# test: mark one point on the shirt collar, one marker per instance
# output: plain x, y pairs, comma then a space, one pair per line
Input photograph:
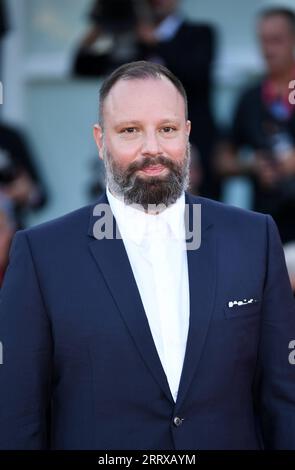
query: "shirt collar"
135, 224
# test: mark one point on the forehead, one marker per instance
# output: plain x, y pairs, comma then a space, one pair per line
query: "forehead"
275, 23
139, 99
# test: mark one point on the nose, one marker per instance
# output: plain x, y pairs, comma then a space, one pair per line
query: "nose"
150, 144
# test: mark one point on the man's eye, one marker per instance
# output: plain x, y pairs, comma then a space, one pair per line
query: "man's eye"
129, 130
168, 129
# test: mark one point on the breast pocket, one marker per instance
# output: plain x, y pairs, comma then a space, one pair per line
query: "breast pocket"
241, 311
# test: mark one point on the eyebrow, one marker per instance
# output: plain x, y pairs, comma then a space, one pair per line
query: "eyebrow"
138, 123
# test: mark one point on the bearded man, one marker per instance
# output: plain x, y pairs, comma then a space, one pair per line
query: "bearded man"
118, 331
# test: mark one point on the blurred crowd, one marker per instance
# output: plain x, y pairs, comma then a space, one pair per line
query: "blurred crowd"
259, 143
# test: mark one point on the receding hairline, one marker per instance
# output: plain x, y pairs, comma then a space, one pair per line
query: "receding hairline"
140, 70
160, 77
286, 14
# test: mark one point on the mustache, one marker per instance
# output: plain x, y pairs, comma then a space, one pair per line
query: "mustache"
145, 162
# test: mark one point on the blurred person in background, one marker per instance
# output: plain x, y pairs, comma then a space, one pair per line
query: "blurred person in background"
264, 124
20, 182
156, 30
19, 178
110, 39
7, 230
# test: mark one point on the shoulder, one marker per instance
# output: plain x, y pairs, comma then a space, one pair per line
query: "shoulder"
238, 230
227, 218
73, 224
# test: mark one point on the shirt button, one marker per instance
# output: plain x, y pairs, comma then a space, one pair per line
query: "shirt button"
177, 421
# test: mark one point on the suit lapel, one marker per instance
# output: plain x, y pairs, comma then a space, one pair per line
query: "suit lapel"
112, 260
202, 279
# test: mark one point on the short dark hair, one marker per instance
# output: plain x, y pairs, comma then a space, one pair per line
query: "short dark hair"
138, 70
287, 13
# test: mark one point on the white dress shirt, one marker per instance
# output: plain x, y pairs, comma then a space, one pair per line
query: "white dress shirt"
155, 245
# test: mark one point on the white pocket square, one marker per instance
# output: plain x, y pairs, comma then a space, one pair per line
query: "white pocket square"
238, 303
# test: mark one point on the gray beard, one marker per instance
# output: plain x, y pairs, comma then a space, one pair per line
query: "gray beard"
147, 191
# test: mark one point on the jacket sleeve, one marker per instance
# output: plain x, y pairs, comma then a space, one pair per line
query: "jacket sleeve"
25, 362
274, 388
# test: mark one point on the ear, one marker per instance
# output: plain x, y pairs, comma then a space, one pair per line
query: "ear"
188, 126
98, 137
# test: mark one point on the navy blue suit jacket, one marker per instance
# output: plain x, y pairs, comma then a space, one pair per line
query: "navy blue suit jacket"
80, 369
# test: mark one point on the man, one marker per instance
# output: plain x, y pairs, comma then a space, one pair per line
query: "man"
131, 338
20, 180
264, 124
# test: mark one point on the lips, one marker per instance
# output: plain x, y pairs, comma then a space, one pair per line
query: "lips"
153, 169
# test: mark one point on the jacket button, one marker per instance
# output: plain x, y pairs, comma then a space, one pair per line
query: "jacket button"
177, 421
